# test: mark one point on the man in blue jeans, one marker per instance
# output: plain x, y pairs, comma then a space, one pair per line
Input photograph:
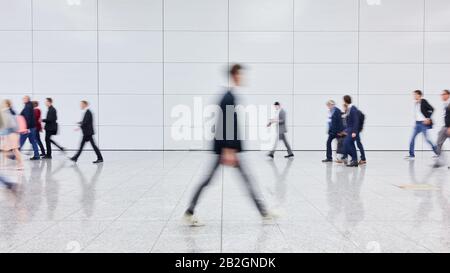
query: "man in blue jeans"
422, 113
28, 114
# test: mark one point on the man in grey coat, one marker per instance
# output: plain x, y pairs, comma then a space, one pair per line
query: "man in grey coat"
282, 130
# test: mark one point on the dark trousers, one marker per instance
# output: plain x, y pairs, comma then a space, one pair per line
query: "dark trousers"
349, 145
48, 143
329, 149
31, 136
83, 142
216, 164
360, 147
39, 142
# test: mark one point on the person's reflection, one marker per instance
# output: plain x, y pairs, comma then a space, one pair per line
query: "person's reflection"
280, 178
88, 189
444, 204
354, 207
334, 194
425, 196
344, 195
52, 187
31, 196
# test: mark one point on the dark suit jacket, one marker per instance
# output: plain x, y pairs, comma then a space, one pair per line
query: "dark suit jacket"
222, 140
51, 126
28, 114
426, 109
353, 121
336, 124
87, 124
447, 117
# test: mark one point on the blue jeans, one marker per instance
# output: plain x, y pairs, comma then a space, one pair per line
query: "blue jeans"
420, 128
31, 136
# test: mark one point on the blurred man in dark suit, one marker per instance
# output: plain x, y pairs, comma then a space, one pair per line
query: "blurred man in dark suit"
87, 127
51, 128
227, 145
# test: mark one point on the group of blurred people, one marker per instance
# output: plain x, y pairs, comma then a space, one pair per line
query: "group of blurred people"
17, 128
423, 112
345, 126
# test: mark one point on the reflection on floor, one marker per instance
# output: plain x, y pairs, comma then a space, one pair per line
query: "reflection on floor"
134, 203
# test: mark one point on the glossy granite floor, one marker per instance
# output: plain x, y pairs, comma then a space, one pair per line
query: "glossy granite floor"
135, 200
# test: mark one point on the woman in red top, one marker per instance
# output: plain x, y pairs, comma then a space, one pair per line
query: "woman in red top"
37, 117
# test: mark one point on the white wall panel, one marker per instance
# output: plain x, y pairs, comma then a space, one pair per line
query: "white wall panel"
65, 78
201, 15
134, 78
261, 15
437, 78
65, 46
131, 110
392, 15
326, 47
148, 138
391, 47
436, 16
15, 15
15, 46
386, 79
130, 14
60, 15
436, 47
130, 46
326, 78
393, 110
195, 78
261, 47
15, 78
326, 15
195, 47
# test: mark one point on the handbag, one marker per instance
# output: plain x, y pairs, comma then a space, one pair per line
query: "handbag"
21, 124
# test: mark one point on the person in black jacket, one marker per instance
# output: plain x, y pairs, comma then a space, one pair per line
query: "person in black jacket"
335, 128
28, 114
51, 128
87, 128
423, 112
227, 145
444, 133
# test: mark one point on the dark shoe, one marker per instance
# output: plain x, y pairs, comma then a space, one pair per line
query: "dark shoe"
42, 155
270, 155
35, 158
362, 162
288, 156
437, 165
352, 164
74, 159
47, 157
327, 160
98, 161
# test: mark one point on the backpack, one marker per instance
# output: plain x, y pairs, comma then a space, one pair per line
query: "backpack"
21, 124
362, 119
